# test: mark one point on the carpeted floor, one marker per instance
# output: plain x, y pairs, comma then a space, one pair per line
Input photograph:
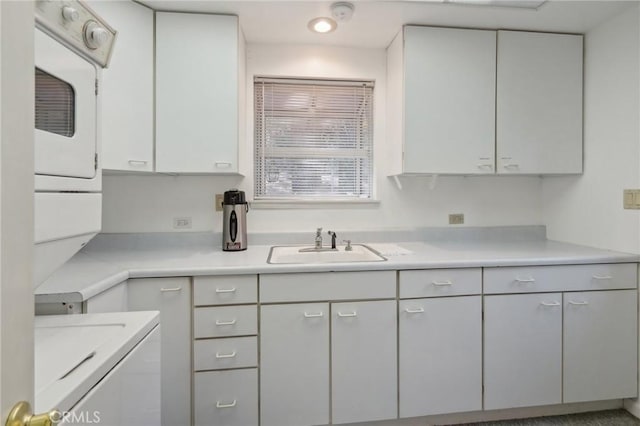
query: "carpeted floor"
598, 418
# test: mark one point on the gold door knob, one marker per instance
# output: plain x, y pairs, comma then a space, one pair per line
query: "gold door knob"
22, 415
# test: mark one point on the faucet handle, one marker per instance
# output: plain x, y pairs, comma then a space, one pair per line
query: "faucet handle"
348, 247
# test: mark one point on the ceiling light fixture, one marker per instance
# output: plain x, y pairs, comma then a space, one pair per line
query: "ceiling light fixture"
322, 25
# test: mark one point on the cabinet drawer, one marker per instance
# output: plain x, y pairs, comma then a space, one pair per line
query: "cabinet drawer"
225, 321
227, 398
225, 290
217, 354
327, 286
560, 278
440, 282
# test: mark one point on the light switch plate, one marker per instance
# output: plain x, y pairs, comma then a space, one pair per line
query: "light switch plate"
456, 219
631, 199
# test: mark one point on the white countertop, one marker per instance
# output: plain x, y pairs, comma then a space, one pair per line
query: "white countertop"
97, 269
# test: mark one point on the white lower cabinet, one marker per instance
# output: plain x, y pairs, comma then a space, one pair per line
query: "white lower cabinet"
364, 361
600, 345
552, 348
522, 350
226, 398
440, 355
294, 364
172, 297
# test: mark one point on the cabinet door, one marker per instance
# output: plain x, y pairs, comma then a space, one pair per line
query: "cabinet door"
127, 88
440, 350
294, 364
539, 103
172, 297
522, 350
449, 99
364, 361
196, 93
112, 300
600, 345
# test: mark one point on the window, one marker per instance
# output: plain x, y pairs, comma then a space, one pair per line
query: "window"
313, 139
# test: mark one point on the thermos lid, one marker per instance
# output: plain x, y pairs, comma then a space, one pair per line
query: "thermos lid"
233, 196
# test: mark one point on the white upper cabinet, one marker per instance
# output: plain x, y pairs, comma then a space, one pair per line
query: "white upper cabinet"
459, 98
199, 71
449, 100
539, 103
127, 88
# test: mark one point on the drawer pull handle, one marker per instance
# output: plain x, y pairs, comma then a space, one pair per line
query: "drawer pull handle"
550, 303
226, 290
316, 315
571, 302
219, 323
442, 283
601, 277
168, 290
414, 310
525, 280
347, 314
227, 405
222, 164
222, 356
138, 162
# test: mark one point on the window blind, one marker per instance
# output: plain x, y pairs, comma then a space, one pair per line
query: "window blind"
313, 139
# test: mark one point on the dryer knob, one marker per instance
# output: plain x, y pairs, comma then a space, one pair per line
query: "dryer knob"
94, 35
70, 14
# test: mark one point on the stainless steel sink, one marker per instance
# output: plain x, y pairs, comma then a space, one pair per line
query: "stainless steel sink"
304, 254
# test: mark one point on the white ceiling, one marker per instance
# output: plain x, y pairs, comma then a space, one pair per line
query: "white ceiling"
375, 23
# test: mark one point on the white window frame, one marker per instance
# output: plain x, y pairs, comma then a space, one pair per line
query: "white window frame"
365, 152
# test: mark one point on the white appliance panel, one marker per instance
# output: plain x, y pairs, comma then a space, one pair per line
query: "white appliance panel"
65, 109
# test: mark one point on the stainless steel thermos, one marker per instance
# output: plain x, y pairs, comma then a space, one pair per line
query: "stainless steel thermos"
234, 225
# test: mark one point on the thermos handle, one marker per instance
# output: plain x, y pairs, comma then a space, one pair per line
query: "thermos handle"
233, 226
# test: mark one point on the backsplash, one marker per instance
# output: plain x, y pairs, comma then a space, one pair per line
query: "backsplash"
135, 204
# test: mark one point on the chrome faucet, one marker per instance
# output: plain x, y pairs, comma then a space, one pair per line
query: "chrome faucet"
333, 239
318, 245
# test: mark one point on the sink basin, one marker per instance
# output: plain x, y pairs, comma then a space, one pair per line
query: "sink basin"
292, 254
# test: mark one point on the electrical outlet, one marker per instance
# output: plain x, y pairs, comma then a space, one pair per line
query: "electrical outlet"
631, 199
219, 201
181, 223
456, 219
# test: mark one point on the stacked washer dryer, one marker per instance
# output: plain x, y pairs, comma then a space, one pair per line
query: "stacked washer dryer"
72, 44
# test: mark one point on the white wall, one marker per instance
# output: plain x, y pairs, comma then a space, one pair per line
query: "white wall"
149, 203
588, 209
